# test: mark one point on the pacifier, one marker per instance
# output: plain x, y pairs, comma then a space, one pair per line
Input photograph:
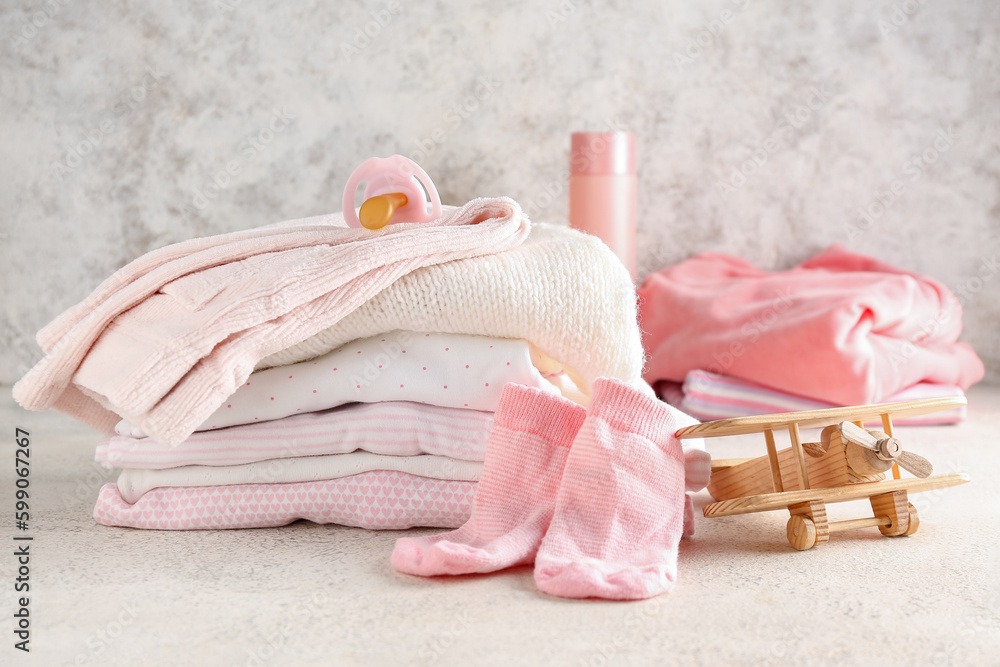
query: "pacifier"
396, 190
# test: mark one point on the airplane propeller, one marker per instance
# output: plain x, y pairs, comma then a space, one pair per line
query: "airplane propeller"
886, 449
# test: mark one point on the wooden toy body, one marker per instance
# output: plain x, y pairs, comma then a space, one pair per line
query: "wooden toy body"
828, 467
806, 476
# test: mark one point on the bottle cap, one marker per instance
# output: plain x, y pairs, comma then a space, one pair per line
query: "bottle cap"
602, 153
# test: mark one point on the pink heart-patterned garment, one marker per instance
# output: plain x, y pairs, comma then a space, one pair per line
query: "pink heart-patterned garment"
377, 500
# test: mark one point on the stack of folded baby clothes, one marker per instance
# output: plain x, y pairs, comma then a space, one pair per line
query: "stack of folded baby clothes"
726, 339
384, 432
310, 370
388, 431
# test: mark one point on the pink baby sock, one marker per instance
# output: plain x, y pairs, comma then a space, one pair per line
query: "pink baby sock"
620, 508
531, 436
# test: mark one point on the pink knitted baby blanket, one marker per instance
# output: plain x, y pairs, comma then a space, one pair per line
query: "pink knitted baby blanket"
166, 338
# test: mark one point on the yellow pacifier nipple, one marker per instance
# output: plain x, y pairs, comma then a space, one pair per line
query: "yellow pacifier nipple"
376, 212
397, 191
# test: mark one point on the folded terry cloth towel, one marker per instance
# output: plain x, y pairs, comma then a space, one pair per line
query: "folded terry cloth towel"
449, 370
169, 337
391, 428
133, 484
378, 500
841, 327
712, 396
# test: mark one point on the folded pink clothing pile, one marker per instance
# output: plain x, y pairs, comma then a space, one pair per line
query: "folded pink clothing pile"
168, 337
387, 432
379, 465
839, 329
310, 370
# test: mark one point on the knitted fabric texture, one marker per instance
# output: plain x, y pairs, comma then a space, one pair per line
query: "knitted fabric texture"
530, 440
619, 512
168, 338
562, 290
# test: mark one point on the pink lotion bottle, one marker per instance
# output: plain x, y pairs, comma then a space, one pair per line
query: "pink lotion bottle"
602, 190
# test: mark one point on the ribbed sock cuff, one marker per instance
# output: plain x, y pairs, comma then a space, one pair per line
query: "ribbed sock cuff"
629, 410
547, 415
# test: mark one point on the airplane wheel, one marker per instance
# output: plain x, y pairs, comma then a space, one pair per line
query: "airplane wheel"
801, 532
914, 520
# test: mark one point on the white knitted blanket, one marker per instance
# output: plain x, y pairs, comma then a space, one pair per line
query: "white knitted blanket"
562, 290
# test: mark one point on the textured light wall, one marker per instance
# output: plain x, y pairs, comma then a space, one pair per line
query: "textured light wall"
763, 127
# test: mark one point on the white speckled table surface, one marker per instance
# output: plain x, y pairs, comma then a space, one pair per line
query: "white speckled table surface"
309, 594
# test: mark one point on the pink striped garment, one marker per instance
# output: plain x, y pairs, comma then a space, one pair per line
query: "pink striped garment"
396, 428
710, 396
620, 511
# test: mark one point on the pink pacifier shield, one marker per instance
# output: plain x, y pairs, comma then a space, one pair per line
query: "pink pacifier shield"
394, 174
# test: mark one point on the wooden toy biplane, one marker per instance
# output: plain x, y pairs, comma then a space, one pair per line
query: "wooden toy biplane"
849, 463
